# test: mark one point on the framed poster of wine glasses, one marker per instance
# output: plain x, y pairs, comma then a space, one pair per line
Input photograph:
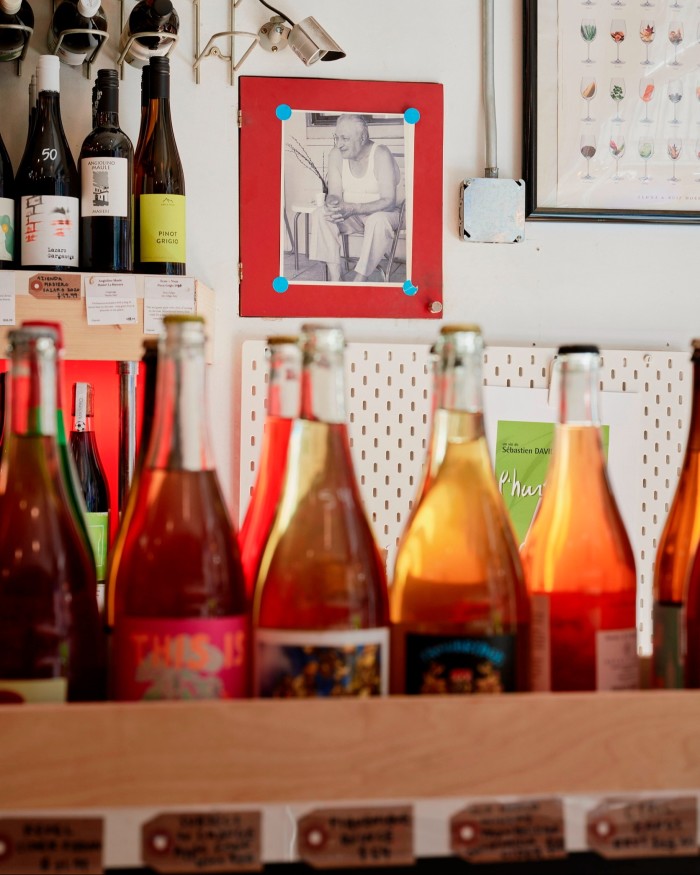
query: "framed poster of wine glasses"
612, 110
340, 198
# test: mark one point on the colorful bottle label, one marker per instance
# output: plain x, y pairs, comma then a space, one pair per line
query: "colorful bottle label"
50, 231
669, 646
458, 664
180, 659
98, 530
162, 227
311, 664
7, 229
104, 187
42, 690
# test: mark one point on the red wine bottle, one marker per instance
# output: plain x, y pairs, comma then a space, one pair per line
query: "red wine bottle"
106, 170
47, 187
82, 15
7, 210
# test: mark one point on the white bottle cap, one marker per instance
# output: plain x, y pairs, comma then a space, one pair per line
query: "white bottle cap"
48, 73
10, 7
88, 8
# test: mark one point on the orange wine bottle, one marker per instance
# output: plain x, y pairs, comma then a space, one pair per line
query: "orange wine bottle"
459, 607
283, 395
321, 609
180, 624
674, 556
50, 636
578, 561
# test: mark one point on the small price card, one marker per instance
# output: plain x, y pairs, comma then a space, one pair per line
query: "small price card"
644, 828
164, 295
51, 845
179, 842
54, 286
334, 838
498, 832
7, 298
110, 299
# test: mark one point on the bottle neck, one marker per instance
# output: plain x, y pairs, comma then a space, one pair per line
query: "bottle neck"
579, 397
694, 430
48, 110
460, 387
285, 378
82, 408
32, 396
323, 386
180, 439
107, 114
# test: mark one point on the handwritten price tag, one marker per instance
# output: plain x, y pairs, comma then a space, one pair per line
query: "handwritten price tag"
202, 842
509, 832
110, 300
646, 828
334, 838
51, 845
54, 286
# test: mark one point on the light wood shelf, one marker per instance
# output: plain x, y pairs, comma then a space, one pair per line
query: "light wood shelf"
85, 342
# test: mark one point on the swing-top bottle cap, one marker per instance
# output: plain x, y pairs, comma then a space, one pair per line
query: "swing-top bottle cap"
48, 73
579, 349
88, 8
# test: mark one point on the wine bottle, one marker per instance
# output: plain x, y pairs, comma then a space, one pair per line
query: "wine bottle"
154, 25
459, 607
32, 109
7, 210
321, 610
16, 25
577, 558
145, 106
283, 396
91, 473
159, 186
50, 637
149, 369
180, 628
47, 187
674, 560
106, 171
80, 15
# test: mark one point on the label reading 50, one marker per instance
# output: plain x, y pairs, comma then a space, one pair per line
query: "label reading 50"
49, 154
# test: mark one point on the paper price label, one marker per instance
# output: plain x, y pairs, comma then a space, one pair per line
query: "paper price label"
7, 298
644, 828
54, 286
164, 295
110, 300
51, 845
497, 832
202, 842
335, 838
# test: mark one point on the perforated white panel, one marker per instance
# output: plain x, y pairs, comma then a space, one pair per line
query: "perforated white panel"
389, 407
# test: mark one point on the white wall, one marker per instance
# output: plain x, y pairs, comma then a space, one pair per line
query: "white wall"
616, 284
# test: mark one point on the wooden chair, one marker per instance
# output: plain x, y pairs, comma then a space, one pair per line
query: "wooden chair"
387, 265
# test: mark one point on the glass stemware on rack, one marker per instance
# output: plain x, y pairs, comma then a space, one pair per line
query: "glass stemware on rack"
588, 150
588, 90
674, 148
617, 150
675, 37
646, 150
589, 31
675, 95
617, 93
646, 94
617, 32
647, 32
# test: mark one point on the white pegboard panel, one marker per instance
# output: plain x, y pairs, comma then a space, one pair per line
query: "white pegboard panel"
389, 413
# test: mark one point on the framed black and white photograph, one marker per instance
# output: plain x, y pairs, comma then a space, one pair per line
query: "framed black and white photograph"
612, 110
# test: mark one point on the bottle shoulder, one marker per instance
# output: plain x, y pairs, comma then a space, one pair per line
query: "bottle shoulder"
107, 142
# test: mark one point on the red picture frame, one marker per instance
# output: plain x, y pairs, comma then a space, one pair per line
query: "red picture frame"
270, 286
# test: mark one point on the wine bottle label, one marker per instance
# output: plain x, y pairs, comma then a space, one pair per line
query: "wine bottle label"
290, 664
162, 227
73, 59
7, 228
669, 646
180, 659
50, 230
98, 530
43, 690
617, 663
457, 664
104, 187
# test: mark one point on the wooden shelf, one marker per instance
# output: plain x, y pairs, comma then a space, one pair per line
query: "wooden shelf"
94, 342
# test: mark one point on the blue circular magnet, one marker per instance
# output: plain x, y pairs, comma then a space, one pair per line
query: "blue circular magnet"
283, 112
409, 288
280, 284
411, 116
